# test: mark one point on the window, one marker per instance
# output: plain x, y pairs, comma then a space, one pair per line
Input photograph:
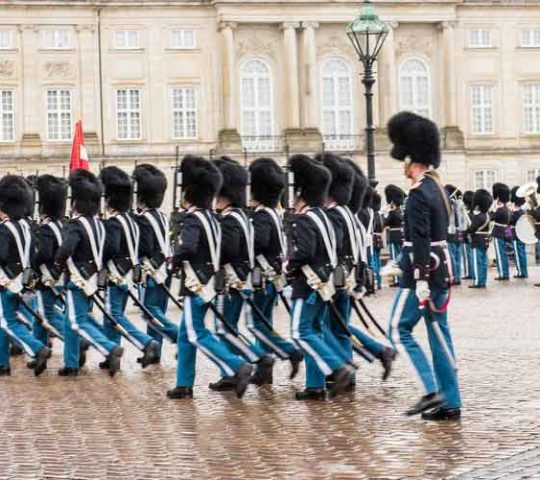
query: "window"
484, 179
533, 174
531, 108
480, 38
126, 39
184, 108
183, 39
530, 37
482, 109
57, 39
256, 105
414, 87
6, 39
128, 114
59, 114
337, 111
7, 116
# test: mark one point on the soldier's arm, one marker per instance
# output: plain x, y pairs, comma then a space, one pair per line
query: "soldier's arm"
420, 233
188, 242
112, 239
230, 239
146, 239
262, 226
303, 244
71, 237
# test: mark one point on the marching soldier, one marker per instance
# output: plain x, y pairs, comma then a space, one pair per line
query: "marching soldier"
520, 252
426, 268
455, 231
238, 261
16, 257
311, 262
81, 253
480, 235
154, 251
468, 265
393, 223
122, 261
378, 242
267, 185
501, 218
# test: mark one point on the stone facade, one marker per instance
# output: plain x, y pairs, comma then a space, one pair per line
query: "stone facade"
294, 40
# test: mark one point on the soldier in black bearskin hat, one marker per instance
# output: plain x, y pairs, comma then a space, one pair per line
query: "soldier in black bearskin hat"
468, 265
501, 217
456, 227
393, 223
238, 261
312, 260
51, 193
154, 250
378, 242
81, 252
16, 257
197, 257
122, 261
425, 279
479, 233
520, 252
267, 185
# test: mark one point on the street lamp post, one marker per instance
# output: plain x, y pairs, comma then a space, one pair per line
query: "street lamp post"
367, 33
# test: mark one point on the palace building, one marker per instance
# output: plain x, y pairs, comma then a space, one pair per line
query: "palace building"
267, 78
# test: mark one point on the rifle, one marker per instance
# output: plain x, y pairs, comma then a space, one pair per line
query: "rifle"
371, 317
41, 320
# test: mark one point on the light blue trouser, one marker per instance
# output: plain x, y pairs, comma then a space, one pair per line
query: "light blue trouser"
11, 329
80, 323
501, 257
454, 248
394, 250
155, 300
480, 262
376, 266
46, 306
30, 298
468, 265
231, 309
116, 298
520, 254
406, 313
267, 340
307, 328
194, 335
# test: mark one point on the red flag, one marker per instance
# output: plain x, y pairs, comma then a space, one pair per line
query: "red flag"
79, 155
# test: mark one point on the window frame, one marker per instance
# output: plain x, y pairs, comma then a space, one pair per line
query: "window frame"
128, 111
184, 88
485, 171
482, 106
183, 31
535, 33
11, 39
58, 113
55, 31
126, 32
480, 43
13, 119
414, 108
536, 122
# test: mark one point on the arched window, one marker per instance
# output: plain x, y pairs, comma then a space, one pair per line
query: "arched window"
414, 87
337, 104
256, 99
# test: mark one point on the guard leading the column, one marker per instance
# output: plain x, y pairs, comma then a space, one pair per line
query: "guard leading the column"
480, 236
501, 233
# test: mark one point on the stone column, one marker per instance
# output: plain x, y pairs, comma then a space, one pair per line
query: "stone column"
453, 136
229, 138
311, 103
291, 74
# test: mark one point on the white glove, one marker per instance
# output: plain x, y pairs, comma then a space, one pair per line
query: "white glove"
422, 291
391, 269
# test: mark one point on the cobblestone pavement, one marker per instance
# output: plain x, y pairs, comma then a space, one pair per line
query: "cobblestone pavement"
94, 427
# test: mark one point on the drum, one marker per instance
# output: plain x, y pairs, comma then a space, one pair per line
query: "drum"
525, 230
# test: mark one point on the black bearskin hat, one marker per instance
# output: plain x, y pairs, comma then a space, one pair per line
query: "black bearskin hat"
86, 191
118, 188
15, 196
517, 201
452, 191
394, 195
482, 200
538, 184
311, 179
360, 186
201, 181
341, 187
267, 181
468, 197
376, 201
235, 180
415, 137
501, 192
52, 196
151, 185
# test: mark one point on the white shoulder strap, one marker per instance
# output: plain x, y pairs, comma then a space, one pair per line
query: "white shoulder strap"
131, 236
161, 238
97, 250
56, 230
352, 228
24, 249
279, 226
330, 247
213, 242
248, 234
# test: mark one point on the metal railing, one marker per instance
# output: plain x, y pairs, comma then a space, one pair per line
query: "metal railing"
265, 143
342, 143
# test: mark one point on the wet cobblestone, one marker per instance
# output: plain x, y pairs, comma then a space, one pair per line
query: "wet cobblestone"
94, 427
